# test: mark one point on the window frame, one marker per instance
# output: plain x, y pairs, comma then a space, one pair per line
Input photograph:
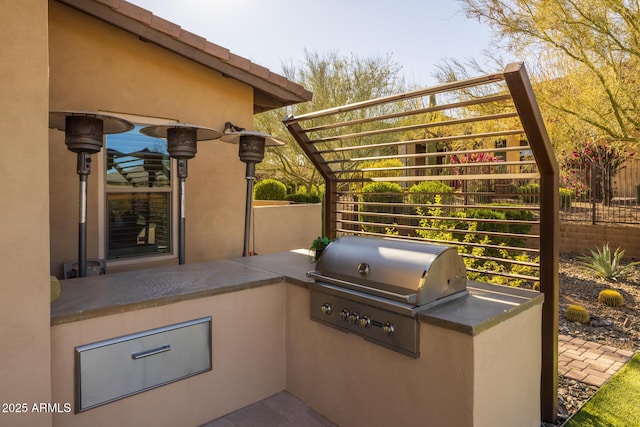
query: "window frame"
104, 190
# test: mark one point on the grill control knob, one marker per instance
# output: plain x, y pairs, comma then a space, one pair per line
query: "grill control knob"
388, 329
344, 314
354, 317
326, 309
365, 322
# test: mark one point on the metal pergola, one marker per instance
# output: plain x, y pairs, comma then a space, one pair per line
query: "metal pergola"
481, 141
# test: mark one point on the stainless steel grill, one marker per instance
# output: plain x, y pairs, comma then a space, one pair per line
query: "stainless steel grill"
376, 287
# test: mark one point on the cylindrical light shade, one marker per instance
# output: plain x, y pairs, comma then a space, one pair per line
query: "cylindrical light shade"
251, 151
84, 130
83, 135
237, 136
181, 137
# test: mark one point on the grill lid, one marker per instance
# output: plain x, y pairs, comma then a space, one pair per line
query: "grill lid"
408, 271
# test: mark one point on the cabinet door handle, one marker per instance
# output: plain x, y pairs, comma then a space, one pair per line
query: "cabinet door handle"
145, 353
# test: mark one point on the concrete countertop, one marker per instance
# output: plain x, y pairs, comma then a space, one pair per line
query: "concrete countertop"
97, 296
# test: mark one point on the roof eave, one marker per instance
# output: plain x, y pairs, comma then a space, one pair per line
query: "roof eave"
271, 90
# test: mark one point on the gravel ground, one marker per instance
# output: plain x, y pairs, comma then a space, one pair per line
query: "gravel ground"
618, 327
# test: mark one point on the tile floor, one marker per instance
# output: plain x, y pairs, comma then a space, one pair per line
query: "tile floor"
279, 410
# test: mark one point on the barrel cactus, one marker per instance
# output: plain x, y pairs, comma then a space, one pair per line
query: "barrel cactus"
575, 313
610, 297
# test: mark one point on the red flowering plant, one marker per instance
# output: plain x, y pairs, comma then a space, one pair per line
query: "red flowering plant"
480, 159
592, 168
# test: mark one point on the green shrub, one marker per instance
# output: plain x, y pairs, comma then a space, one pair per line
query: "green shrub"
387, 163
529, 193
303, 198
567, 196
370, 193
425, 193
575, 313
605, 264
610, 297
269, 189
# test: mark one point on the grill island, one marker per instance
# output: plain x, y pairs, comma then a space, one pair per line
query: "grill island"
376, 287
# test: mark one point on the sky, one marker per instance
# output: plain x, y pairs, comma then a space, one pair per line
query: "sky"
418, 34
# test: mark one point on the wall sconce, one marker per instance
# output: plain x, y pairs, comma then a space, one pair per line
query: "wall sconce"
84, 132
251, 151
182, 145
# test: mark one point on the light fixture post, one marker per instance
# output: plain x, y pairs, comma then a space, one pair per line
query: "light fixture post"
251, 151
84, 132
182, 145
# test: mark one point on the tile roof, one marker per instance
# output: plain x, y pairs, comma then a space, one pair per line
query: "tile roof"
271, 90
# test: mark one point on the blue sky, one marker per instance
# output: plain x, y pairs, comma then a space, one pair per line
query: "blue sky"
417, 33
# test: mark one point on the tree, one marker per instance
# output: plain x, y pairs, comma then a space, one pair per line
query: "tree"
334, 80
587, 53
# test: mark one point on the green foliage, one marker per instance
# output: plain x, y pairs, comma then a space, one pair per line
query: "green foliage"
585, 53
605, 264
386, 163
425, 193
575, 313
616, 403
567, 196
610, 297
434, 227
303, 198
334, 80
379, 192
269, 189
318, 245
529, 193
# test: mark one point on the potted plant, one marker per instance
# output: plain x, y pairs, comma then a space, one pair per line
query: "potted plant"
317, 246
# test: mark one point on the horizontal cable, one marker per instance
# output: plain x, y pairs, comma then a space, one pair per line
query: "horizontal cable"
457, 85
448, 230
509, 275
440, 218
426, 141
434, 205
442, 107
439, 166
444, 123
470, 177
433, 154
438, 241
502, 260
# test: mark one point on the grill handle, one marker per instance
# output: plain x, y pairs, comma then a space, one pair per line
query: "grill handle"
407, 298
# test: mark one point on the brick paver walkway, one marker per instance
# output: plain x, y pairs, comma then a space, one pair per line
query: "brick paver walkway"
589, 362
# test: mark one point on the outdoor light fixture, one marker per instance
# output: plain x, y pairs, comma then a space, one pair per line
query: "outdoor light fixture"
84, 132
251, 151
182, 145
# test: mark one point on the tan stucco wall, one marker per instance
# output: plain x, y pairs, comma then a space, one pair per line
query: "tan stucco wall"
24, 220
97, 67
459, 380
508, 370
285, 227
248, 359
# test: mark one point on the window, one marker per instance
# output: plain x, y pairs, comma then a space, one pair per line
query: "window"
138, 195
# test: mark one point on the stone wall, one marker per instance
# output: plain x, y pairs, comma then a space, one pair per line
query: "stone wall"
579, 238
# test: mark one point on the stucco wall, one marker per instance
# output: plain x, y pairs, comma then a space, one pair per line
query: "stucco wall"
455, 381
579, 238
248, 359
97, 67
285, 227
24, 216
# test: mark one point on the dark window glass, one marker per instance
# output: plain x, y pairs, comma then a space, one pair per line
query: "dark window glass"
138, 175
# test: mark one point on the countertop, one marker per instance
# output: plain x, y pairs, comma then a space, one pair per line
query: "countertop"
96, 296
